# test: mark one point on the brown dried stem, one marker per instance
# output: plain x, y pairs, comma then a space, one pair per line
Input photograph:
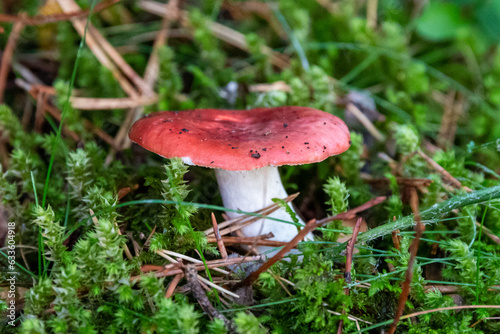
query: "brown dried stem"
420, 228
218, 239
453, 181
348, 265
7, 55
199, 294
173, 284
254, 241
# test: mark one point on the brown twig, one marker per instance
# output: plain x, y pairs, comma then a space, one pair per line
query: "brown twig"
453, 181
348, 265
396, 239
254, 241
244, 220
353, 109
7, 55
463, 307
173, 284
420, 228
92, 103
489, 233
350, 214
401, 181
174, 269
310, 226
371, 13
453, 289
198, 293
218, 239
44, 19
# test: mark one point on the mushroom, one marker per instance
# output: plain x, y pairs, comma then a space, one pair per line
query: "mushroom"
246, 147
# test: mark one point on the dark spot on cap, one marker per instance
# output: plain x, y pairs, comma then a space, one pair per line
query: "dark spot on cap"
256, 155
286, 136
180, 132
307, 143
282, 146
324, 147
212, 162
185, 130
251, 151
308, 147
285, 125
324, 123
234, 148
264, 149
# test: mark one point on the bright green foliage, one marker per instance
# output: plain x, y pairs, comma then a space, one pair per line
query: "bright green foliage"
315, 283
172, 317
102, 202
72, 116
169, 79
38, 297
100, 255
351, 161
70, 314
33, 326
95, 78
79, 176
174, 188
262, 65
406, 138
284, 205
177, 231
10, 125
317, 81
338, 194
217, 327
248, 324
52, 232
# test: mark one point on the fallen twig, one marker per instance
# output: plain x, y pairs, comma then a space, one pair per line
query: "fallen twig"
254, 241
173, 284
242, 221
348, 264
218, 239
198, 293
351, 107
420, 228
7, 55
453, 181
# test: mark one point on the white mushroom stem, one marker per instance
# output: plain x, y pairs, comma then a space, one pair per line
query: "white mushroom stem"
251, 191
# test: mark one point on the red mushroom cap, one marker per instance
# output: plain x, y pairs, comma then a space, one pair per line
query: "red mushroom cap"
243, 139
